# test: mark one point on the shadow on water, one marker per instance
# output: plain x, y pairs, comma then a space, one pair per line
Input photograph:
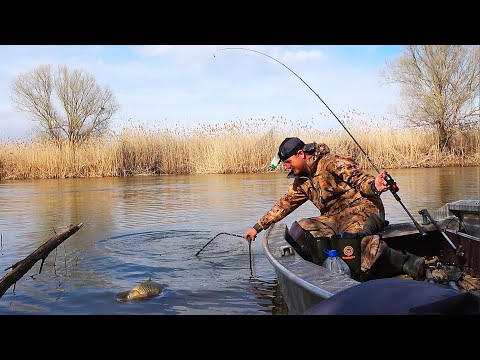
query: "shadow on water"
269, 296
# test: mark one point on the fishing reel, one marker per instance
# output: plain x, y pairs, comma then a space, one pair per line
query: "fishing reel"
391, 184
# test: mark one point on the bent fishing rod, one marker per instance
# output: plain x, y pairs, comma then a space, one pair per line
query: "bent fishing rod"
391, 184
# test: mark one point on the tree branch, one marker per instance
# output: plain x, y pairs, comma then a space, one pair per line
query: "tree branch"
21, 268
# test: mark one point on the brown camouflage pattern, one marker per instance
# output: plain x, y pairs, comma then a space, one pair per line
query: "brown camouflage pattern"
343, 194
371, 249
338, 188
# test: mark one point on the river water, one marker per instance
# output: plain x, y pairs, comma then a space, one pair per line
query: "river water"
152, 227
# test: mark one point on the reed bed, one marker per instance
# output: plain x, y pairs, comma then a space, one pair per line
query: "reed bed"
238, 146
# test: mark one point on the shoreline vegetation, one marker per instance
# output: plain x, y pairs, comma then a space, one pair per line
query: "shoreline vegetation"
241, 146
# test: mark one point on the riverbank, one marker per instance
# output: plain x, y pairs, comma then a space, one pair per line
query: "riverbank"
234, 147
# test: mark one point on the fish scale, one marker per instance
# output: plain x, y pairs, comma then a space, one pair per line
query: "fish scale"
143, 290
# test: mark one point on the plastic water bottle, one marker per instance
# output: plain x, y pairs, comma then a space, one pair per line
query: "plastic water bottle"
335, 263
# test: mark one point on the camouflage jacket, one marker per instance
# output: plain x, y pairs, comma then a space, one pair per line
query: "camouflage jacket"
337, 183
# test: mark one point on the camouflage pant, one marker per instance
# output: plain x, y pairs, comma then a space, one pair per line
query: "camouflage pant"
363, 219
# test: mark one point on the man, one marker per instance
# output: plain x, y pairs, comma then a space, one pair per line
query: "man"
351, 212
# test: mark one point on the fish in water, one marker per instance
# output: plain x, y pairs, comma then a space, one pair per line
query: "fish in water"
143, 290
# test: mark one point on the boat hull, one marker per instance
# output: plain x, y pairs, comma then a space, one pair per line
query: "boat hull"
304, 284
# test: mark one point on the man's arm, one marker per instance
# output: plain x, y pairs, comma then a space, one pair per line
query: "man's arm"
291, 200
347, 169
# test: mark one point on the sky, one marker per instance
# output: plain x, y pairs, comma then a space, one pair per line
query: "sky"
201, 84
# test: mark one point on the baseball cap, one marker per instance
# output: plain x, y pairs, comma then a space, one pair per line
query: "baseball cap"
289, 147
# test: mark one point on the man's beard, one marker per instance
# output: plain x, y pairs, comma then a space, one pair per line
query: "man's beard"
303, 171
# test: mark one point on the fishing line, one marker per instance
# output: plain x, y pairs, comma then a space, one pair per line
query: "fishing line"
227, 233
392, 186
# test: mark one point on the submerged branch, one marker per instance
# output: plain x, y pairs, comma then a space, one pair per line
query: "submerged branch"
21, 268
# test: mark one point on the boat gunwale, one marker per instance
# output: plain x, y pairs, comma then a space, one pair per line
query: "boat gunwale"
288, 273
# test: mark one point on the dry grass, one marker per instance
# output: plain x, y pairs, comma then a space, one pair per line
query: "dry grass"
241, 146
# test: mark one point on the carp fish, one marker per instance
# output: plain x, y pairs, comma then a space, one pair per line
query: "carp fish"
143, 290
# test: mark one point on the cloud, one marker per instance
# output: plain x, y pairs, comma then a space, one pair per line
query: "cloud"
13, 124
203, 83
302, 55
154, 50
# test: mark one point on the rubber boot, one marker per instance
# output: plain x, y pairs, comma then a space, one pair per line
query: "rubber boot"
316, 245
392, 263
389, 264
296, 238
349, 249
415, 266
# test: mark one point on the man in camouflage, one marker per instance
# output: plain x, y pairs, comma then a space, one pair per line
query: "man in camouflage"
349, 202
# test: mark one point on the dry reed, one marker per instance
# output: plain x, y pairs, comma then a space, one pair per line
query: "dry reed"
239, 146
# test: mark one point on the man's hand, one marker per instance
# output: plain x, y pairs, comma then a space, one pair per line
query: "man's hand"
380, 182
252, 233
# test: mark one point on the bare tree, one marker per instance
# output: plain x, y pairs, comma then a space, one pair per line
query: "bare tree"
440, 87
65, 104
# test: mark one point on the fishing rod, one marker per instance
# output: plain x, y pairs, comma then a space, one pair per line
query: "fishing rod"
226, 233
391, 184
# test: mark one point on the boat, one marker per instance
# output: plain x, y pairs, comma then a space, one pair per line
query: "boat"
450, 238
